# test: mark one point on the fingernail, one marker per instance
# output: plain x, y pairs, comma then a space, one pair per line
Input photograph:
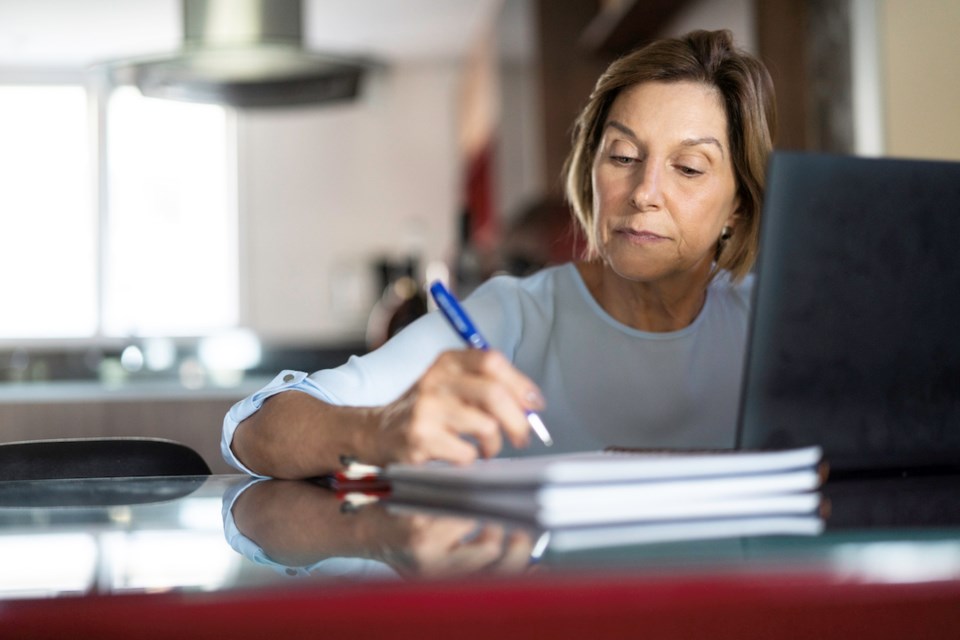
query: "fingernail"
534, 398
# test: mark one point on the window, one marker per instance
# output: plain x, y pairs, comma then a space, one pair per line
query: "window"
171, 266
159, 259
48, 266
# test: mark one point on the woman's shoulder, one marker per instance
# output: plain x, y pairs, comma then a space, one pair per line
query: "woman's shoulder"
514, 304
540, 287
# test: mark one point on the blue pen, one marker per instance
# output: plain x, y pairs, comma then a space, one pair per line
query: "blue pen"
462, 324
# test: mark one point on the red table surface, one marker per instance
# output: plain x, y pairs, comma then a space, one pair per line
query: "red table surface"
777, 606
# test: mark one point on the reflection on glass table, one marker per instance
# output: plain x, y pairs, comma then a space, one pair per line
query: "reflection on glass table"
912, 525
300, 528
80, 537
228, 533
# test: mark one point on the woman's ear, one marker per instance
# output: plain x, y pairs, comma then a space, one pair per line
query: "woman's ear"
735, 216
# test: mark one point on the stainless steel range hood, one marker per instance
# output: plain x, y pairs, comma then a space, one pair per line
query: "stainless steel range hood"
245, 53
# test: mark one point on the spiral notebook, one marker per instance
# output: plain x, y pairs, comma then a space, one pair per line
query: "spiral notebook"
603, 487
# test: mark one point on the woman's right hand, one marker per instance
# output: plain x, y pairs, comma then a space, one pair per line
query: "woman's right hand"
441, 545
460, 408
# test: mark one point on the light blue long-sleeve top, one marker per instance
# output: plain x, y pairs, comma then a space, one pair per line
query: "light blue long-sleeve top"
605, 384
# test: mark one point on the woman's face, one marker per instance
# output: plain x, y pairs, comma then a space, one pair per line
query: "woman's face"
663, 181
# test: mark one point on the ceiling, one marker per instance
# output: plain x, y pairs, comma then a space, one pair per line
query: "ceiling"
75, 33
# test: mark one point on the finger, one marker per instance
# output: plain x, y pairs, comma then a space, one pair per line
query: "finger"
494, 365
498, 411
447, 445
478, 552
443, 532
417, 428
458, 381
467, 420
516, 552
527, 394
465, 394
452, 548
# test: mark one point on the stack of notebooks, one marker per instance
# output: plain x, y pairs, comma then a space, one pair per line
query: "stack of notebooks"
617, 497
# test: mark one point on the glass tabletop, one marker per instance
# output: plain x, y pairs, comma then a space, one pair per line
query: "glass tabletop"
224, 533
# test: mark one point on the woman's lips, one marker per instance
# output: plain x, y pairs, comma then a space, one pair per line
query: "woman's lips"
641, 235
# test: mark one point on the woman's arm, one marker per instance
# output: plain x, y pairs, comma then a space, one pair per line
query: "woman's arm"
459, 409
295, 435
299, 524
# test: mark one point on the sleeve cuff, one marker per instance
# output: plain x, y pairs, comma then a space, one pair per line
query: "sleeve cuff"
285, 381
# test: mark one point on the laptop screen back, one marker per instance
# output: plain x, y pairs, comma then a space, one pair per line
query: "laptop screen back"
855, 335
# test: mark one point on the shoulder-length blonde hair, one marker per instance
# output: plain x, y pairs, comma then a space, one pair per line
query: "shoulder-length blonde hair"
746, 91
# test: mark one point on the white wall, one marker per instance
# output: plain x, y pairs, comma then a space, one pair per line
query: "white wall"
324, 191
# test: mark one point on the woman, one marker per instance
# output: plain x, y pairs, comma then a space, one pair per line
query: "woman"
640, 344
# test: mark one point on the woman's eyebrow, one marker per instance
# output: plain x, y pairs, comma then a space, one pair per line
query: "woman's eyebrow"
619, 126
693, 142
687, 142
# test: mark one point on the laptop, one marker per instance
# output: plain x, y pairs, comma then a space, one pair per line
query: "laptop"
855, 331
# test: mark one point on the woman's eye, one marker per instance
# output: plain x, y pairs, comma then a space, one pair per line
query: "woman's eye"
624, 160
689, 171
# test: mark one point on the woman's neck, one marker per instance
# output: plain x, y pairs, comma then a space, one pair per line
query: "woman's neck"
658, 307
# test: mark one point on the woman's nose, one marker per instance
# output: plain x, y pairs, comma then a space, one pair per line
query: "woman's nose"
646, 192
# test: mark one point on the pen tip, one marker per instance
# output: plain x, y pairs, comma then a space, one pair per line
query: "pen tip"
539, 428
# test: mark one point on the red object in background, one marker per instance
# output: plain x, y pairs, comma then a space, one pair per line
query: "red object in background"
480, 199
